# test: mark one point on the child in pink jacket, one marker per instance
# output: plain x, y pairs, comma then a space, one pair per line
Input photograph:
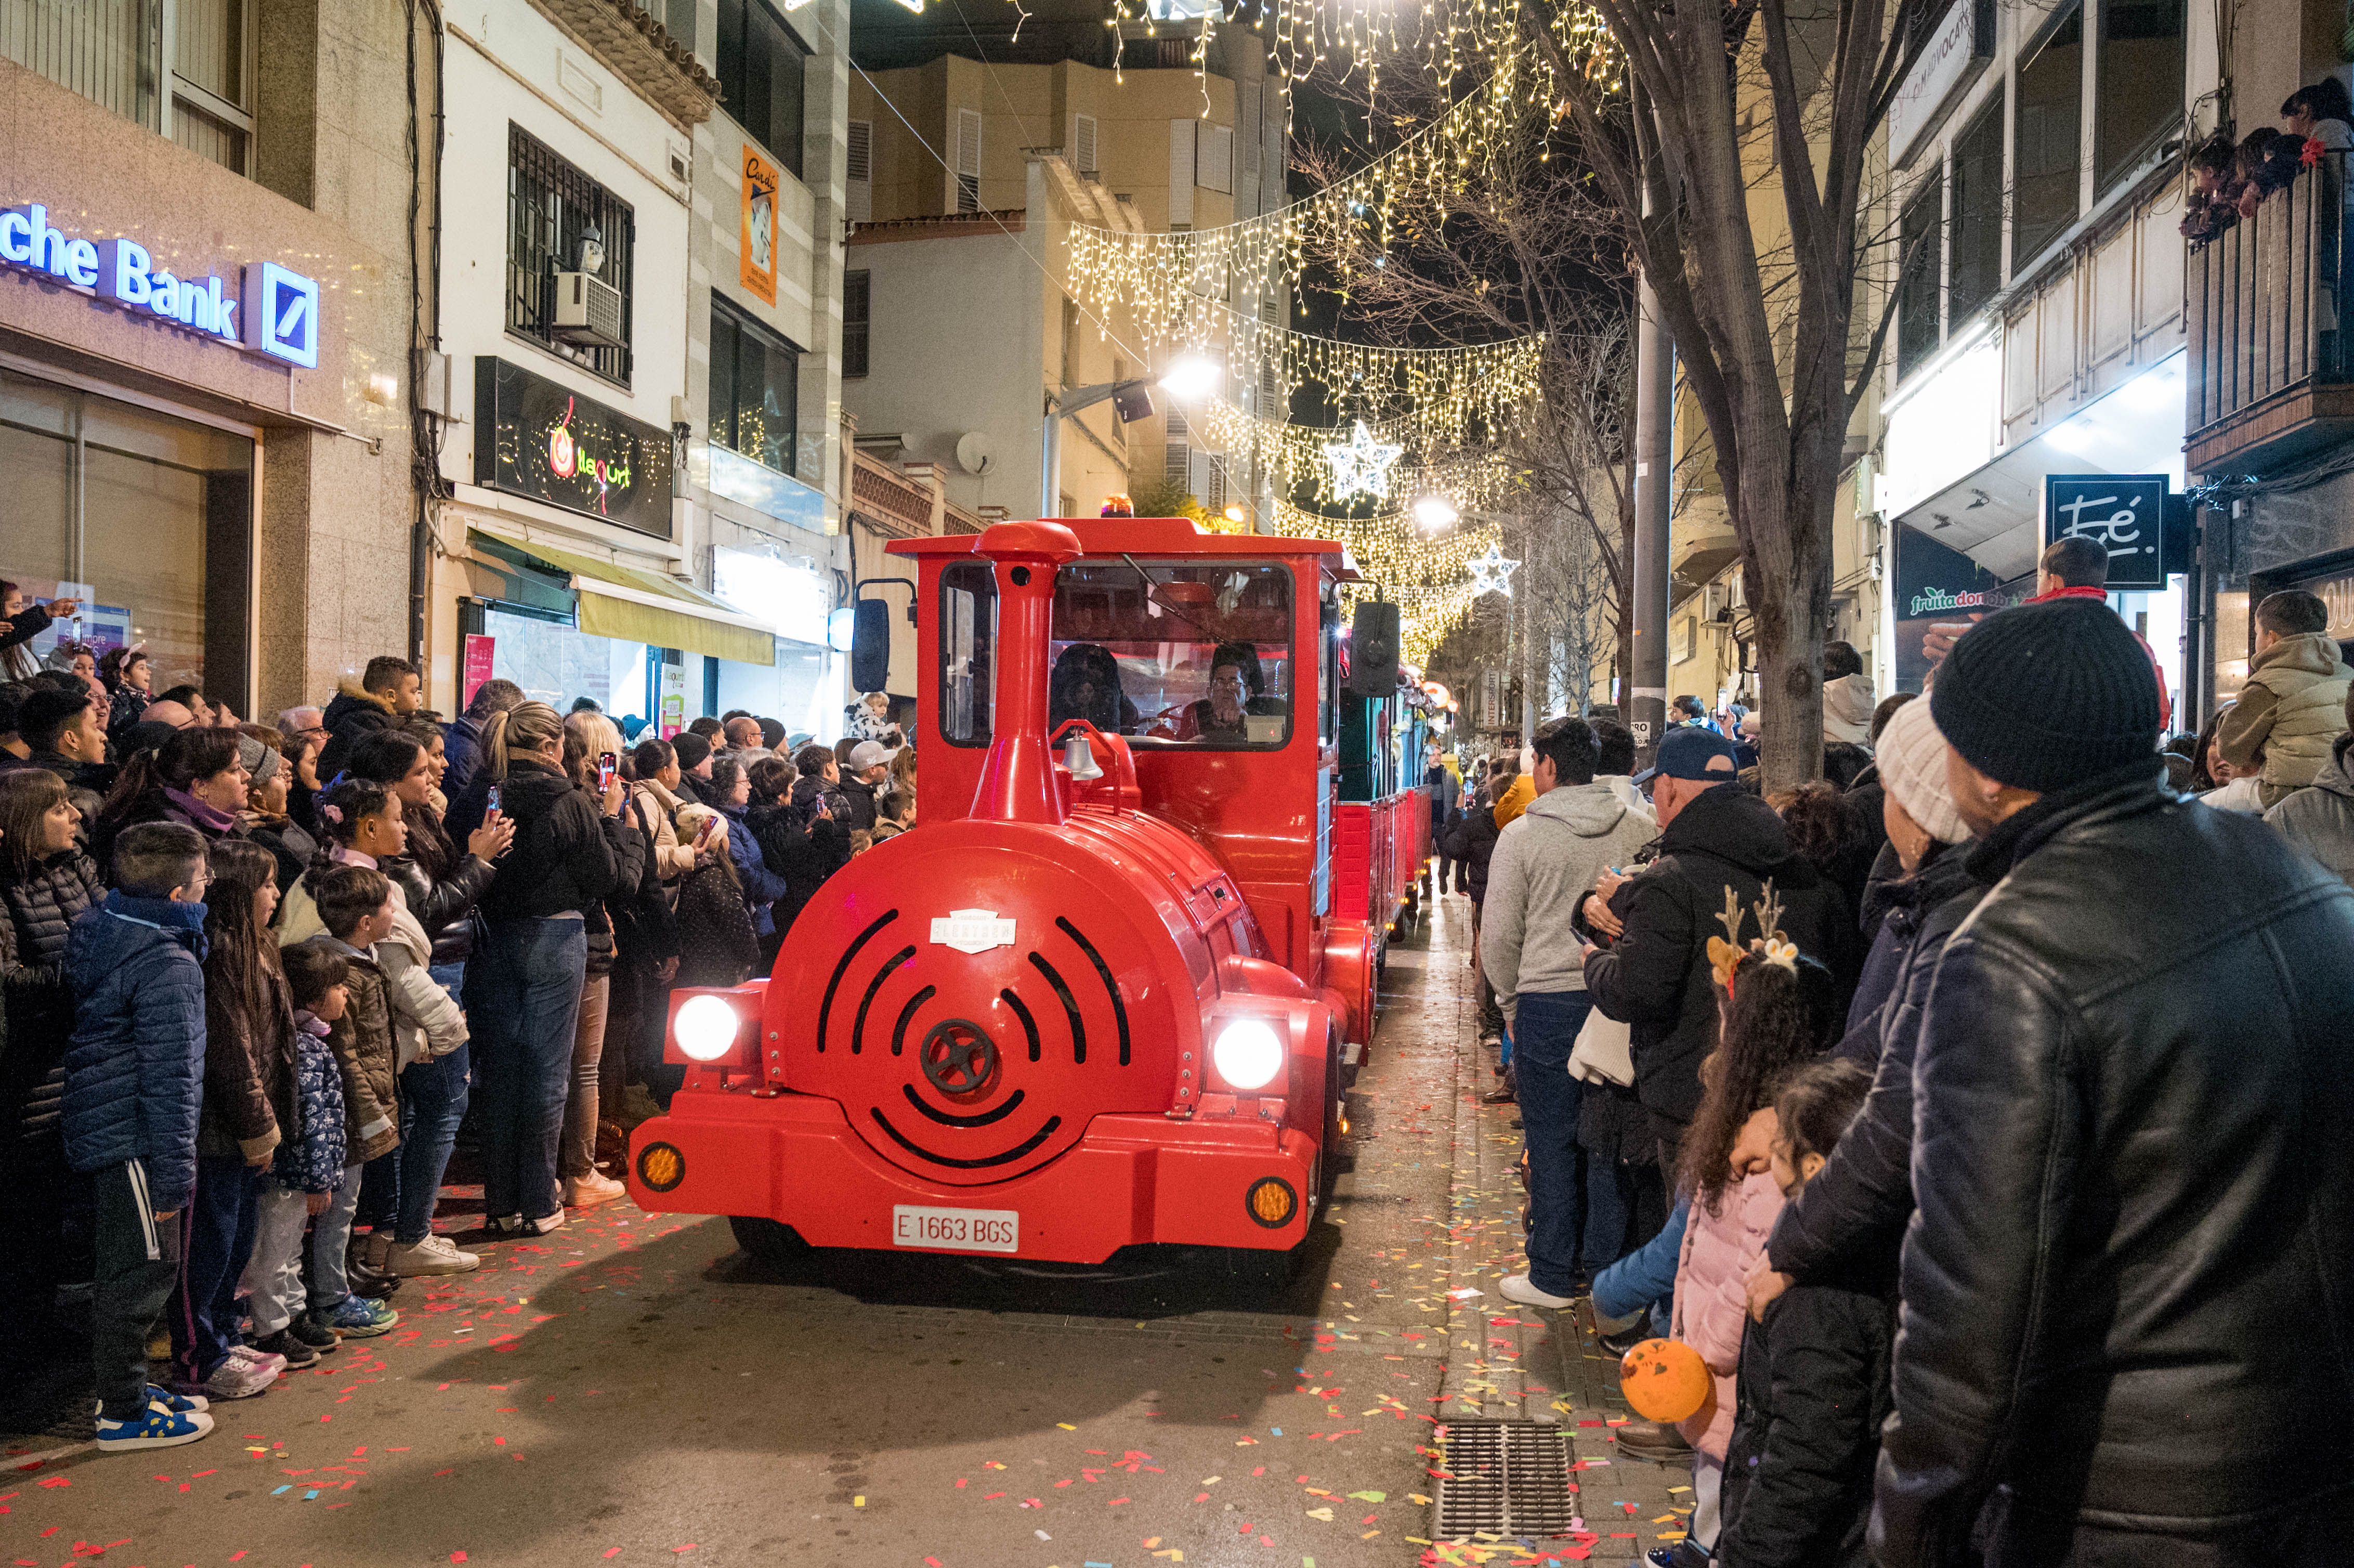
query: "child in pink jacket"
1776, 1010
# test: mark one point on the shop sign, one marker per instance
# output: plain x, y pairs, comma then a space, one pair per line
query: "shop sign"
2125, 513
275, 312
1939, 593
757, 256
482, 655
541, 440
1958, 43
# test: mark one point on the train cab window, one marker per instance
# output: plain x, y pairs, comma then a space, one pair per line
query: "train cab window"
967, 637
1187, 655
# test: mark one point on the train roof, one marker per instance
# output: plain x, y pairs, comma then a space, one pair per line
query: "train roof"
1151, 536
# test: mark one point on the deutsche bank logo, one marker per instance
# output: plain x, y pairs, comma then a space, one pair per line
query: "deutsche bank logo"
281, 311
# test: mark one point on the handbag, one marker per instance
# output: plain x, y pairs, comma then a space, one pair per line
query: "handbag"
1603, 1053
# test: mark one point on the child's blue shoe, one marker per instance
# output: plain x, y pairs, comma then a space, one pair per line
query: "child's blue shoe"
357, 1318
158, 1427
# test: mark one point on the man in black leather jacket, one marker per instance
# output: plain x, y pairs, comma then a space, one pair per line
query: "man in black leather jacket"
2127, 1332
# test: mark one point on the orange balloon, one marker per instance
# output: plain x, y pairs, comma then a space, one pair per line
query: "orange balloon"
1665, 1379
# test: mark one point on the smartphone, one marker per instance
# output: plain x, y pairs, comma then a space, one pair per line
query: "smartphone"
494, 798
703, 832
608, 765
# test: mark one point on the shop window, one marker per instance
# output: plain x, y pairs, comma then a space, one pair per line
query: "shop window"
1973, 231
1918, 330
150, 518
2140, 93
857, 300
755, 390
968, 640
551, 209
2048, 138
110, 52
761, 72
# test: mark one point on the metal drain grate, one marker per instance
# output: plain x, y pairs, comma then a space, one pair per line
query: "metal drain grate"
1505, 1478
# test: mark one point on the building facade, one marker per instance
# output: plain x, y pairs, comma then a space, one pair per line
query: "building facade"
205, 318
640, 480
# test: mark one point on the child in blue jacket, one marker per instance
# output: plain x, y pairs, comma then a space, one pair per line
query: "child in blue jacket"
306, 1169
134, 1080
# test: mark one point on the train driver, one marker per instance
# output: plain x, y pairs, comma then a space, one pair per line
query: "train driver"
1238, 691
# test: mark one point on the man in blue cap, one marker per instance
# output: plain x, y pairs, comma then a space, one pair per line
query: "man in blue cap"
1653, 975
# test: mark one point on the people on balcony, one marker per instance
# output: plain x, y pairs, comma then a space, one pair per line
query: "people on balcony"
2321, 113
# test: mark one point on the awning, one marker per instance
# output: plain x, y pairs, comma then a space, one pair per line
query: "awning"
631, 604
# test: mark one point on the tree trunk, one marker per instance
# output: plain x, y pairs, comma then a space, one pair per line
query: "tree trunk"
1625, 654
1783, 513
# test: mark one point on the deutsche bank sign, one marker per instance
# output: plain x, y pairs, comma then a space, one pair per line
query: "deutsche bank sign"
276, 313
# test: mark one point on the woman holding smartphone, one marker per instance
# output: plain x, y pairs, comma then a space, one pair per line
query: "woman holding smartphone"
524, 981
592, 749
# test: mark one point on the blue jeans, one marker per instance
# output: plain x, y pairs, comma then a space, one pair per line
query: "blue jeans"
203, 1310
522, 1005
1545, 1028
1645, 1277
403, 1185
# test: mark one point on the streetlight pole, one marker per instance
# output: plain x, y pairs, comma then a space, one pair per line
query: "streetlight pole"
1061, 405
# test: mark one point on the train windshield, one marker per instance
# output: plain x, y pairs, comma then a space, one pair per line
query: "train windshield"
1192, 654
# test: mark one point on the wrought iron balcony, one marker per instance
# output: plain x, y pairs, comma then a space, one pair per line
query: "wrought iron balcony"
2271, 378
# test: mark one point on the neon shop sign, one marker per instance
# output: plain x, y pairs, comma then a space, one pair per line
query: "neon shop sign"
542, 439
275, 311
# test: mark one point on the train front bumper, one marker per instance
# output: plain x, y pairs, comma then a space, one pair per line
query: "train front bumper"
1208, 1182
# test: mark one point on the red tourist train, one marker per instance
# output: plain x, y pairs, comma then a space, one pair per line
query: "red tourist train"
1107, 993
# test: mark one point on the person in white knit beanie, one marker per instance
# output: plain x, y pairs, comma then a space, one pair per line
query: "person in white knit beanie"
1918, 803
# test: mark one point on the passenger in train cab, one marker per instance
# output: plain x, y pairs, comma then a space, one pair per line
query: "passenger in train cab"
1086, 684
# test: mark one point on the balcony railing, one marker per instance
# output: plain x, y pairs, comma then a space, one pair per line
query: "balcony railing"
2269, 367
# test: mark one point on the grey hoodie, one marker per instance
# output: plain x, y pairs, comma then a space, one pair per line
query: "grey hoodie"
2320, 819
1544, 863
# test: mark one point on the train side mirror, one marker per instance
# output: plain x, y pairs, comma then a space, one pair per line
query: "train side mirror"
1373, 651
869, 646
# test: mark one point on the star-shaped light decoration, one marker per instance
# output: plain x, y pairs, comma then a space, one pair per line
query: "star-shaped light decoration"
1360, 465
1491, 573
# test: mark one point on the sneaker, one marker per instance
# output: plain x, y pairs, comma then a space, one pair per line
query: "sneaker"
360, 1318
588, 1192
259, 1357
311, 1332
158, 1428
1516, 1288
235, 1378
292, 1352
516, 1226
177, 1404
434, 1254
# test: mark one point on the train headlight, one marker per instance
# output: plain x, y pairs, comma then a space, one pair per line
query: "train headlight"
1248, 1054
705, 1028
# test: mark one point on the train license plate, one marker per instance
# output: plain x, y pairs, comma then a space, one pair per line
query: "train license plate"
956, 1229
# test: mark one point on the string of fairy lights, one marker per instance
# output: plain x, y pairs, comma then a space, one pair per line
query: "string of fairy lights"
1435, 582
1298, 458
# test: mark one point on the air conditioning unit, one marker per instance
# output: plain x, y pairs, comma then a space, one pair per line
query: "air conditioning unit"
588, 310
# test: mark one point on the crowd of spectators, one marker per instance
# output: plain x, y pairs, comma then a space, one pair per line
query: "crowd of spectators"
261, 981
2229, 180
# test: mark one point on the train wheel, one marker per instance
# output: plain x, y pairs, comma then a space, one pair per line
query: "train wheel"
770, 1241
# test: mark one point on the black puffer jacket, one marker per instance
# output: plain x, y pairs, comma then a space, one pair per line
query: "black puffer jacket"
566, 854
351, 717
445, 907
1863, 1195
41, 910
2129, 1293
1813, 1392
1655, 977
800, 846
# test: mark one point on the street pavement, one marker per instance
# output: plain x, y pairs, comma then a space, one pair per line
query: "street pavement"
634, 1390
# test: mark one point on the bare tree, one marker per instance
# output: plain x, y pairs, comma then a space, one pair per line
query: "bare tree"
1518, 245
1777, 372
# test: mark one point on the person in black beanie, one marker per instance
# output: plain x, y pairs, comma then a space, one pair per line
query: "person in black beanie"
694, 767
2124, 1335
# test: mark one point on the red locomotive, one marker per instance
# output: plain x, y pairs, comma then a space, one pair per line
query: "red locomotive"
1111, 1001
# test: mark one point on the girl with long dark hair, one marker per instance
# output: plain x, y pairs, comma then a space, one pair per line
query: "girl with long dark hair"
248, 1107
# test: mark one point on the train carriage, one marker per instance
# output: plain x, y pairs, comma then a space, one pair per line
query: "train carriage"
1104, 996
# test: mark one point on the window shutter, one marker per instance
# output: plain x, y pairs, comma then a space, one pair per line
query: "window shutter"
1270, 371
1083, 145
1214, 168
1198, 476
1178, 467
1180, 172
968, 161
858, 199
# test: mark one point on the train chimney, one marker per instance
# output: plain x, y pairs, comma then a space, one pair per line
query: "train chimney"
1017, 781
